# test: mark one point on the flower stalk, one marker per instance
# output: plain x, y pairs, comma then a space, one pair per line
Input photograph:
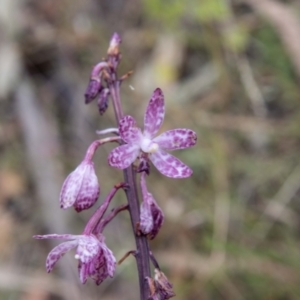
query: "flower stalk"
81, 188
142, 246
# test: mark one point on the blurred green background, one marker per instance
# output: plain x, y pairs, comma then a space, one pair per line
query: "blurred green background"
229, 70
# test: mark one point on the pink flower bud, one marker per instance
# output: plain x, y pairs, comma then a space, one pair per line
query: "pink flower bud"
103, 100
115, 41
92, 90
151, 217
81, 188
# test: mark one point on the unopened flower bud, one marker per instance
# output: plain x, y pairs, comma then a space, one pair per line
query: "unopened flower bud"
163, 286
151, 217
92, 90
160, 287
103, 100
113, 48
81, 188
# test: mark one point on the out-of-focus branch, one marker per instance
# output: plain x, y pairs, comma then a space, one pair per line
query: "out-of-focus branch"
285, 22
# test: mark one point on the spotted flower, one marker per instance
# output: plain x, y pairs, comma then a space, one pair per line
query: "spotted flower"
81, 188
137, 141
95, 259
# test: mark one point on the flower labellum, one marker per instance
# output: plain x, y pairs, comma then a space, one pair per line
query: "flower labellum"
81, 188
155, 147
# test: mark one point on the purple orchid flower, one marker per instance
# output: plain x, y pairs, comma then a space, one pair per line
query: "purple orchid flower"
151, 217
81, 188
95, 259
136, 141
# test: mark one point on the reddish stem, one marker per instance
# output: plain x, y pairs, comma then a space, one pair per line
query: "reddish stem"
142, 246
98, 214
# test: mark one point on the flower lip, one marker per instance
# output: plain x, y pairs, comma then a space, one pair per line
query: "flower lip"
148, 146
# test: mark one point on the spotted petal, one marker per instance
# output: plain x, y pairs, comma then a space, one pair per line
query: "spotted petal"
88, 247
158, 218
110, 260
146, 220
176, 139
57, 252
100, 272
169, 165
89, 189
71, 186
154, 114
129, 131
123, 156
83, 272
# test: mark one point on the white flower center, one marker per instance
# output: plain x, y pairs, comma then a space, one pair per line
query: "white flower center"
148, 146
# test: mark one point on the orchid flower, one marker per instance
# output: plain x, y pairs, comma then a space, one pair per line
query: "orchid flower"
95, 259
155, 147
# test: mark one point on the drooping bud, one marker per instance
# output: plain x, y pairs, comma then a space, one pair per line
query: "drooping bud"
151, 217
113, 49
92, 90
103, 100
160, 287
163, 286
81, 188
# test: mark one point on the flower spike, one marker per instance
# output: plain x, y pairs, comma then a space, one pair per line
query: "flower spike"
139, 144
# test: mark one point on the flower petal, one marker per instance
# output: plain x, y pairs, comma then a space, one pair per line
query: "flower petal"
176, 139
146, 220
57, 252
129, 131
88, 248
83, 272
158, 218
71, 187
154, 114
101, 273
169, 165
89, 189
110, 260
123, 156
